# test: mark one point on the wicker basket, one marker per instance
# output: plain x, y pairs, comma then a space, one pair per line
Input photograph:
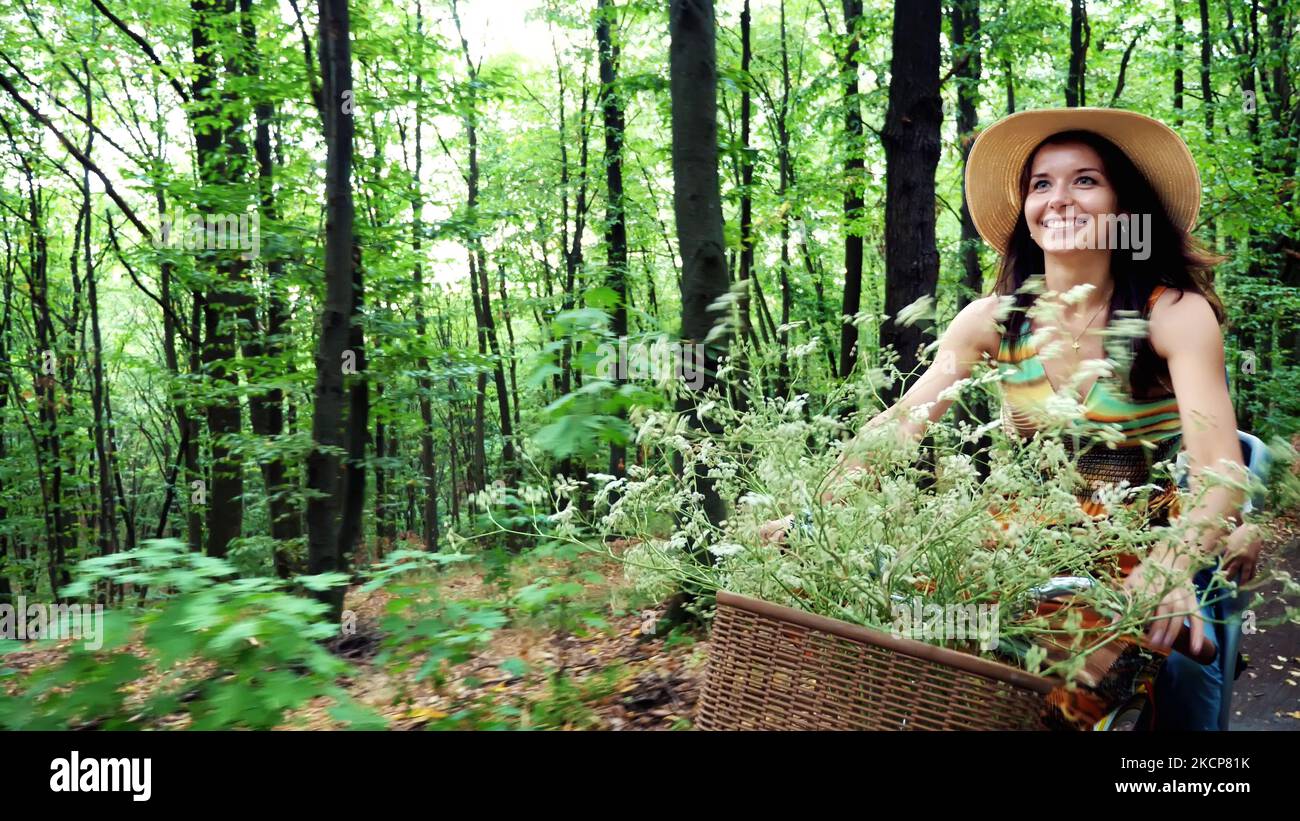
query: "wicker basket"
774, 668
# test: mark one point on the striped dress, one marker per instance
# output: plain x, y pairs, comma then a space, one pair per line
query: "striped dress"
1151, 428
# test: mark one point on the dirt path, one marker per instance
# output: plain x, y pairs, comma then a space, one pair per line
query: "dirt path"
1267, 695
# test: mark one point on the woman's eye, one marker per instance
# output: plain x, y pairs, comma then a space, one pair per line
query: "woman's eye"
1090, 180
1039, 183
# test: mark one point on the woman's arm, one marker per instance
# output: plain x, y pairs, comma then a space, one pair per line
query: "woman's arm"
1185, 332
970, 335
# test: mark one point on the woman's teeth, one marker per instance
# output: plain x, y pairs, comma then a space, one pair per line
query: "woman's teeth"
1060, 223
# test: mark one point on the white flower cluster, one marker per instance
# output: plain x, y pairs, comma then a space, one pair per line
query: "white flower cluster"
931, 522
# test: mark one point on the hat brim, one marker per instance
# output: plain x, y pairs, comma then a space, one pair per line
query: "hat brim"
1000, 152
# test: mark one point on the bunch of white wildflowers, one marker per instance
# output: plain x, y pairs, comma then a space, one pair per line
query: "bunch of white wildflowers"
919, 524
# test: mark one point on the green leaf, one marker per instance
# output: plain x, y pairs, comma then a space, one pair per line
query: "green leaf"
323, 581
516, 667
602, 297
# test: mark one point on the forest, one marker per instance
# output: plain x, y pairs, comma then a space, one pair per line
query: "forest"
373, 312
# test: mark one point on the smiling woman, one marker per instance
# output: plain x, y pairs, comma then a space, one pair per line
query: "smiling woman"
1040, 184
1075, 179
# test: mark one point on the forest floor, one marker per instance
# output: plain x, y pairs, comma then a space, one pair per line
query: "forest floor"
617, 674
1267, 693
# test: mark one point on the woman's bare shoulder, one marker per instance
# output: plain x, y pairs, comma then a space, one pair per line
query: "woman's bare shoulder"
1180, 317
978, 327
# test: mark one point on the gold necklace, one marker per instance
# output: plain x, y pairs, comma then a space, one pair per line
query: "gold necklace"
1075, 341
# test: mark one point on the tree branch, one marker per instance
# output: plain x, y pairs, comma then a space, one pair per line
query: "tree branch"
144, 46
81, 158
117, 248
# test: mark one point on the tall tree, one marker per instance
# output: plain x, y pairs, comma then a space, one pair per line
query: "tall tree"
266, 340
217, 120
697, 199
746, 159
6, 371
1076, 91
854, 173
107, 513
611, 108
478, 267
912, 147
327, 547
967, 67
1178, 64
428, 467
1207, 56
965, 22
784, 175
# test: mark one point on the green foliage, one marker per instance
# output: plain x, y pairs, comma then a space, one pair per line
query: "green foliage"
421, 628
588, 418
568, 700
541, 172
562, 600
234, 652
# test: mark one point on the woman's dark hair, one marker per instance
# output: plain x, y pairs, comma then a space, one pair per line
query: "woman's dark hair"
1176, 260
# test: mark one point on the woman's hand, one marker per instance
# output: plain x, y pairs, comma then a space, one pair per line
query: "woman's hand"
773, 532
1149, 578
1241, 552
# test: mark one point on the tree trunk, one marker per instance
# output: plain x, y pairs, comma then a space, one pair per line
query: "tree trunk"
381, 476
219, 151
615, 220
784, 174
746, 331
1080, 33
323, 464
266, 407
108, 542
60, 538
854, 177
911, 140
6, 371
1207, 88
428, 469
508, 320
1178, 64
478, 273
966, 48
697, 201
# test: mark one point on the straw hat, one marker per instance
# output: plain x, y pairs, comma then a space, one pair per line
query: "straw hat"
999, 154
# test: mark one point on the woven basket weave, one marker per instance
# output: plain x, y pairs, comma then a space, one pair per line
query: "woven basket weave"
775, 668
